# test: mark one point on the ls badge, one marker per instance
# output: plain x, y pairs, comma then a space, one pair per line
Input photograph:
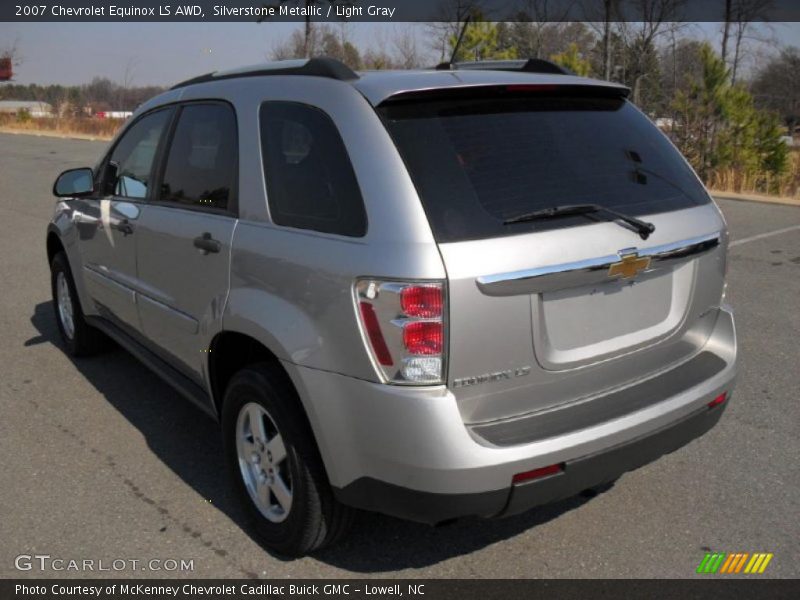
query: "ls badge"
496, 376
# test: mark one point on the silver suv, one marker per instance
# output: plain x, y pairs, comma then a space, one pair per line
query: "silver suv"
432, 294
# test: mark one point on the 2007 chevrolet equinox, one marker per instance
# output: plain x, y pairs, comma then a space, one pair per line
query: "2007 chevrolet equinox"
432, 294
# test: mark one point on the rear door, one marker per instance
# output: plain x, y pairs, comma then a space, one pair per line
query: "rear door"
184, 235
552, 310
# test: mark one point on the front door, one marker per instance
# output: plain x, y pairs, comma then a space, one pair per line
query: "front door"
107, 223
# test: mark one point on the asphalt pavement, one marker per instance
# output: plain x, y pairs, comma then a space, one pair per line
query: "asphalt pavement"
103, 461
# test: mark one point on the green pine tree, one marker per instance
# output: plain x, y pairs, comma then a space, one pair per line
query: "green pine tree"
722, 133
481, 42
572, 59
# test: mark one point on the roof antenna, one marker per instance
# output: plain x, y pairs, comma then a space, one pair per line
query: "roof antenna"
446, 66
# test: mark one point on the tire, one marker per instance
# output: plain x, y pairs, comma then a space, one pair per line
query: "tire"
311, 518
79, 338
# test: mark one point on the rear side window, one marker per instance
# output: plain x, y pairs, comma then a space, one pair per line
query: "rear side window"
477, 162
201, 165
309, 177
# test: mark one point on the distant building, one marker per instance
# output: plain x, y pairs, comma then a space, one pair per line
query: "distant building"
113, 114
35, 109
665, 123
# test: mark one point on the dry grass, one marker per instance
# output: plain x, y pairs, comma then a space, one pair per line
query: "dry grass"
787, 186
83, 126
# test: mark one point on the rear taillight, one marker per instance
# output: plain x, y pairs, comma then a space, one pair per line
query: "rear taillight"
403, 327
422, 301
423, 337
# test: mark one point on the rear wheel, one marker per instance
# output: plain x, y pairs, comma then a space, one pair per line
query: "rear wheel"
79, 338
275, 464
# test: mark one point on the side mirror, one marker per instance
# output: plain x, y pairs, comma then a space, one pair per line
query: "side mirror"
74, 183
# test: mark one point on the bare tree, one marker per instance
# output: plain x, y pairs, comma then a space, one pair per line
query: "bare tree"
726, 28
308, 27
123, 96
407, 49
608, 13
449, 17
377, 56
739, 17
325, 40
603, 22
672, 31
746, 12
776, 86
537, 25
640, 36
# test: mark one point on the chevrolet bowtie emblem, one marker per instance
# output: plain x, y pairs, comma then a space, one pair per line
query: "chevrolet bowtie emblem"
629, 266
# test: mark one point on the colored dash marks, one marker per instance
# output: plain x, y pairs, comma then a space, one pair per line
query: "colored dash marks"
734, 562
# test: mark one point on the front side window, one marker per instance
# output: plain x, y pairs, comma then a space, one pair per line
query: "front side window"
201, 164
310, 180
130, 165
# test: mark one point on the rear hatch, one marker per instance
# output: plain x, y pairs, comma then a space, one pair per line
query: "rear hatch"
548, 311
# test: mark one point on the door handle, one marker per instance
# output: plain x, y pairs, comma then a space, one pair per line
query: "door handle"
207, 244
124, 227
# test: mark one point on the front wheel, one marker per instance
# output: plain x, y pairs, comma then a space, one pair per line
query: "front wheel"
80, 338
276, 466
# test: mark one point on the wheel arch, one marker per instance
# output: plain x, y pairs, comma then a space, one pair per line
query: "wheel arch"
231, 351
54, 244
58, 240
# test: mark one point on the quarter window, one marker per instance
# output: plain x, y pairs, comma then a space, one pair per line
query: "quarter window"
201, 164
130, 166
310, 180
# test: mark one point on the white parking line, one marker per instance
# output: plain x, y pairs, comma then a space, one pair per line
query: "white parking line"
761, 236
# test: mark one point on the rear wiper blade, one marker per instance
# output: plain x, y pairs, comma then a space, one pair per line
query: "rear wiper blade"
643, 228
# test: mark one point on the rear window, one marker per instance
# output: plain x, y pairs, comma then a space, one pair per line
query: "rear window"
477, 162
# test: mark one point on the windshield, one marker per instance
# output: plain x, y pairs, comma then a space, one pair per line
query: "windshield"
479, 162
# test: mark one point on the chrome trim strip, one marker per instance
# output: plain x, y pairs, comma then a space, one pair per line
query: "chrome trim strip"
591, 270
185, 322
97, 275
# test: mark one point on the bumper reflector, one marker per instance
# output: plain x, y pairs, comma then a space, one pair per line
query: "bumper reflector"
537, 473
718, 400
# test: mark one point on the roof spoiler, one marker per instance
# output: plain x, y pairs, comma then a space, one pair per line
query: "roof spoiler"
497, 91
530, 65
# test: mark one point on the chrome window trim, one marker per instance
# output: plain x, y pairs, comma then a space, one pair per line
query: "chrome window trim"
592, 270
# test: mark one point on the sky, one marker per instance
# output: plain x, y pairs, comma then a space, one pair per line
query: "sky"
164, 53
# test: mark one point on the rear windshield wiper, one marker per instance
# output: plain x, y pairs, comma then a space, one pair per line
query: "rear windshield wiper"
643, 228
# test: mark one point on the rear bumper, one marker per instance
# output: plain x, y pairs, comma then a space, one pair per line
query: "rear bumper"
578, 475
405, 451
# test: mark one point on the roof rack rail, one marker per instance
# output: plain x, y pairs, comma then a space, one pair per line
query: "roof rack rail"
312, 67
530, 65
